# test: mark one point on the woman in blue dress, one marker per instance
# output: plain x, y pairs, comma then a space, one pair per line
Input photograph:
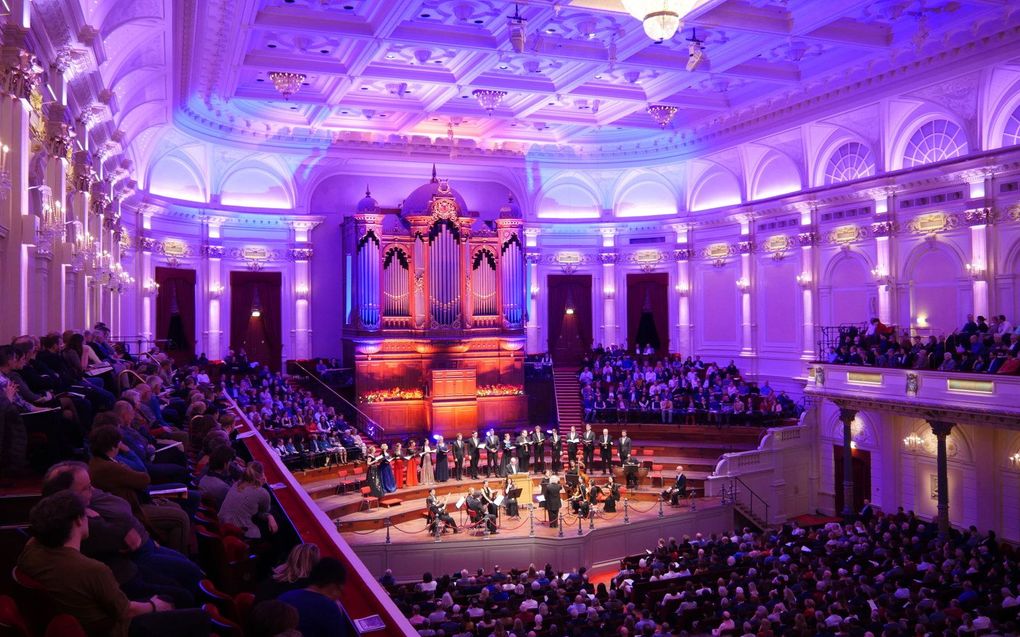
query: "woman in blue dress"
386, 477
442, 463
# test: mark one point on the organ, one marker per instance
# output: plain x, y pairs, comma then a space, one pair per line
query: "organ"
436, 292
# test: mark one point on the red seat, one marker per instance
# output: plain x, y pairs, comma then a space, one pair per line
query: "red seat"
65, 626
341, 482
11, 618
223, 626
368, 499
391, 501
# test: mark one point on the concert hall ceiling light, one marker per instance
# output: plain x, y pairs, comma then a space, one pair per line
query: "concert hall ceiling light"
660, 18
287, 83
663, 114
517, 29
695, 51
488, 99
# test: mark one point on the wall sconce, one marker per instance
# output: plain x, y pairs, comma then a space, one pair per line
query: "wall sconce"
1015, 459
881, 276
216, 290
913, 442
743, 284
609, 292
976, 271
534, 291
683, 289
804, 280
150, 287
569, 311
922, 320
301, 291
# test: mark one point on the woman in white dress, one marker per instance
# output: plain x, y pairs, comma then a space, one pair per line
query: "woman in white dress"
428, 477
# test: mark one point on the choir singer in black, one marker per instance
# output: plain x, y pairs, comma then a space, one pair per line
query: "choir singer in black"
552, 500
606, 452
474, 449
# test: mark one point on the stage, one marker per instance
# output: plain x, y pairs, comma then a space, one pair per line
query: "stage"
393, 537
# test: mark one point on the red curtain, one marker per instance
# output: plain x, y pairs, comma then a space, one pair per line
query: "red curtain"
259, 336
175, 312
569, 334
648, 292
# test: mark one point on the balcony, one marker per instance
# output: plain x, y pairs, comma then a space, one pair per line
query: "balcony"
980, 399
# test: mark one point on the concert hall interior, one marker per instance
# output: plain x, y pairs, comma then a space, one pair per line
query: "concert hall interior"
487, 318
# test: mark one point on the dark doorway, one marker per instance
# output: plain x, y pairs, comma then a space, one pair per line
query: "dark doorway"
648, 311
570, 316
255, 317
861, 473
175, 313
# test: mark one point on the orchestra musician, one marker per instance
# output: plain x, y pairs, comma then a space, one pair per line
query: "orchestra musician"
489, 496
552, 500
606, 451
478, 510
579, 503
588, 445
612, 496
678, 489
437, 511
630, 470
556, 441
491, 453
538, 449
512, 510
572, 441
474, 452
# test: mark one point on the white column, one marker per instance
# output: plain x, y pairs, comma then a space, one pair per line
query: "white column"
302, 252
608, 256
746, 285
216, 289
808, 280
682, 255
533, 327
884, 263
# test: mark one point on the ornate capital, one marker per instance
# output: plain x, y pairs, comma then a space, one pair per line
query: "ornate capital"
941, 428
301, 254
683, 254
808, 238
847, 415
608, 258
883, 228
21, 76
531, 233
745, 247
533, 258
979, 216
147, 244
213, 252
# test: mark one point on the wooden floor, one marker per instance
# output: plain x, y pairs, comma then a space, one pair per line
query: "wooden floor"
414, 531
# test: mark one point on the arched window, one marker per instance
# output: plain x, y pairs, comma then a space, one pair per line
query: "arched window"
935, 141
1011, 135
850, 161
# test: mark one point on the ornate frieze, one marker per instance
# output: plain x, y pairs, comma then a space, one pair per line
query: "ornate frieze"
1014, 212
647, 259
777, 246
845, 235
569, 260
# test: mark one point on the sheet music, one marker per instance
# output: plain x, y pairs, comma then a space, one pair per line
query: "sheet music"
460, 502
499, 500
539, 498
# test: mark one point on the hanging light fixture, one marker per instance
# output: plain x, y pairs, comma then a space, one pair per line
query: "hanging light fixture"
287, 83
517, 27
660, 18
695, 51
663, 114
488, 99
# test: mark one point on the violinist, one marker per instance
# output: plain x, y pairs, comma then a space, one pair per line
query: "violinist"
579, 503
612, 496
489, 497
512, 510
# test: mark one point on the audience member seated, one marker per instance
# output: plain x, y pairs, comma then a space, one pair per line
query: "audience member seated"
86, 588
290, 575
318, 603
247, 504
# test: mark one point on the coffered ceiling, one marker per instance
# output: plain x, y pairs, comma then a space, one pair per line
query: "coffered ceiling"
407, 68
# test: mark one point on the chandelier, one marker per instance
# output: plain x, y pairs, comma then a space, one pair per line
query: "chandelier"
488, 99
660, 18
287, 83
663, 114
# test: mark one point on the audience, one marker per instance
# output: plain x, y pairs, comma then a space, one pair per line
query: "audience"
618, 387
978, 347
318, 603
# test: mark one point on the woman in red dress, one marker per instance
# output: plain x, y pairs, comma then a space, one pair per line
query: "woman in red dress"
412, 459
399, 465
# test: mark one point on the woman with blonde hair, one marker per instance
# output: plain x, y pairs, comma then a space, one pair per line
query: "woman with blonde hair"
247, 504
292, 574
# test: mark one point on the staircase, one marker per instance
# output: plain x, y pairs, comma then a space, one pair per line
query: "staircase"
568, 398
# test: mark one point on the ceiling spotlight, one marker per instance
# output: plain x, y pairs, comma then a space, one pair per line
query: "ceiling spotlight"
518, 30
663, 114
287, 83
696, 51
488, 99
660, 18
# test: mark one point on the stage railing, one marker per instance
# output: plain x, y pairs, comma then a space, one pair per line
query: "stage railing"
362, 421
362, 595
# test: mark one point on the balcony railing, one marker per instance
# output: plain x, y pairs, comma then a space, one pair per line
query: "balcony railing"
985, 393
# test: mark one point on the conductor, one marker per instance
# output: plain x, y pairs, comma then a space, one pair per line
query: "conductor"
552, 500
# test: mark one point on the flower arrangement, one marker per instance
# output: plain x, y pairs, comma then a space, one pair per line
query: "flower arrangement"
393, 393
499, 390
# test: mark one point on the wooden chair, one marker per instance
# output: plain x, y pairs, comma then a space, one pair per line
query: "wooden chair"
341, 482
368, 499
